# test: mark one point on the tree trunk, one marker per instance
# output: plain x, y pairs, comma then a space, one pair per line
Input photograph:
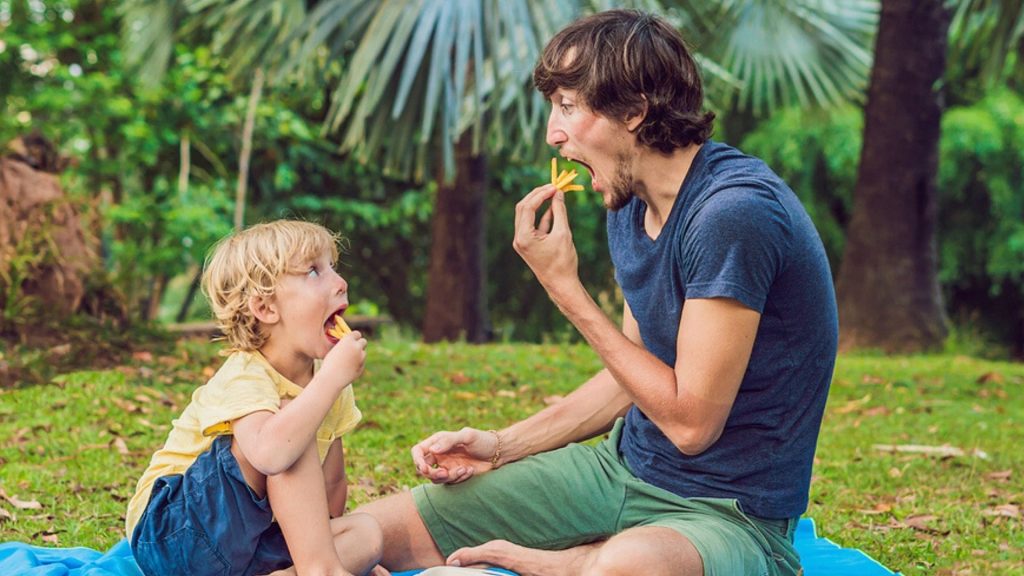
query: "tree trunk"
246, 154
456, 301
888, 289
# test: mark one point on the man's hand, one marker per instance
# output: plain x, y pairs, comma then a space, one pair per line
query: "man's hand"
346, 359
546, 247
453, 457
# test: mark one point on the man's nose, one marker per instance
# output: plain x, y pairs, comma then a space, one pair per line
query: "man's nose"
555, 136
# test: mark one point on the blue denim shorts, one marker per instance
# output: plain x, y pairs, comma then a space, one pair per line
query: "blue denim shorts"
208, 521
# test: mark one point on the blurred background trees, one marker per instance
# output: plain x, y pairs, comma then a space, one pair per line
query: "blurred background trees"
412, 128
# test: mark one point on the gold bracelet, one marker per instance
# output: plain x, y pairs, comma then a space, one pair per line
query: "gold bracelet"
497, 451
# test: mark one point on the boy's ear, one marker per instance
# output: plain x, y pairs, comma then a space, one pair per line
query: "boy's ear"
264, 309
634, 119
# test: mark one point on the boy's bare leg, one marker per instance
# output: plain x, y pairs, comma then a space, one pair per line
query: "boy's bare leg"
299, 500
357, 541
407, 543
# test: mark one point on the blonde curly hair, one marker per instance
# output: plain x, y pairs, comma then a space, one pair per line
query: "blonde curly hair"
249, 263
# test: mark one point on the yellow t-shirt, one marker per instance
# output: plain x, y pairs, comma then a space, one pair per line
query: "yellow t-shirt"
246, 383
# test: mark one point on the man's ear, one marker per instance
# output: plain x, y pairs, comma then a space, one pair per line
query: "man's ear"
264, 309
634, 119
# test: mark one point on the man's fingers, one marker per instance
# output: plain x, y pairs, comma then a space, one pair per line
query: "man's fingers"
560, 218
422, 456
545, 221
526, 209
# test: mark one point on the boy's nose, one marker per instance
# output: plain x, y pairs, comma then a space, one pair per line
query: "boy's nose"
342, 284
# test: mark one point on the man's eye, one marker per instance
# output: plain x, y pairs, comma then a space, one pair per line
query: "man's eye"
567, 108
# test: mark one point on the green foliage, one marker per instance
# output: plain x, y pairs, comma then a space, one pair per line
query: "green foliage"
981, 198
915, 513
123, 139
385, 223
982, 185
520, 309
981, 211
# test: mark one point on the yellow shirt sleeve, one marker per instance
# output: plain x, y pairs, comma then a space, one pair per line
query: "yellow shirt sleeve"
243, 386
344, 414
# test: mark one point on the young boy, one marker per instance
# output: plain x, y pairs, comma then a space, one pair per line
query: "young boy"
251, 479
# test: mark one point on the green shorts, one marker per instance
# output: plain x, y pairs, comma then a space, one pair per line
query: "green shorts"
581, 494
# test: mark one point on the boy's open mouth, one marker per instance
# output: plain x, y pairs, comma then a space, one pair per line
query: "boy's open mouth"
335, 327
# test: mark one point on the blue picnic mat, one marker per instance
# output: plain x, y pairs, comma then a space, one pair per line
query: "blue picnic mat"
820, 557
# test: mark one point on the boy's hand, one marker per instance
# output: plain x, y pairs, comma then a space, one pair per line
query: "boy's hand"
345, 362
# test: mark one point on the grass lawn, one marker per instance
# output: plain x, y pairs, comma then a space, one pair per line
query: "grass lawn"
71, 450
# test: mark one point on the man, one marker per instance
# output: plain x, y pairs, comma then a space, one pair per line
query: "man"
721, 367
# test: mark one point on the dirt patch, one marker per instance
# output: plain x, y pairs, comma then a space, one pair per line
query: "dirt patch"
45, 255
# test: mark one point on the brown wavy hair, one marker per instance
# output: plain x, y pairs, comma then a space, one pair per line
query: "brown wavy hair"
619, 60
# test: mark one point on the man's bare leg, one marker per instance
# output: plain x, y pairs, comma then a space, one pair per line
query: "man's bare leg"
653, 551
407, 542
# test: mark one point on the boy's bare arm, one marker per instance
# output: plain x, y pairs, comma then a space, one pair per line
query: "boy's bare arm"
272, 442
335, 479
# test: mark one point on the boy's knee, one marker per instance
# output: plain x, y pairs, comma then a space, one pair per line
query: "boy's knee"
364, 529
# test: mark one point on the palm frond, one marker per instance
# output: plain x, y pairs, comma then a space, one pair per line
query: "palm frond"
984, 33
149, 30
421, 72
805, 52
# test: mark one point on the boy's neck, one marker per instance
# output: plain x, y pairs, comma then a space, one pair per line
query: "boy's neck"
296, 368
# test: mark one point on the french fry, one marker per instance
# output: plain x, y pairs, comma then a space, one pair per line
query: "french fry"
563, 180
340, 328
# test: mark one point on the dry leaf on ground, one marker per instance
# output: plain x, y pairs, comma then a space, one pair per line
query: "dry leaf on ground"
1005, 510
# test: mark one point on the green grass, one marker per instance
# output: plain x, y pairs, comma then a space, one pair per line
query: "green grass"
77, 445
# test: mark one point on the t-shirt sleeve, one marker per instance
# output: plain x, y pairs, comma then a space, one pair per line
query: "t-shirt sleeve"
218, 404
348, 414
734, 246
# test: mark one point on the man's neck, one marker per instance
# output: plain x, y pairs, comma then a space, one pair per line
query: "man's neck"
662, 176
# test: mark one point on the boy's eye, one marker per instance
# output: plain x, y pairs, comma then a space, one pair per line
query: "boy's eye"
313, 272
567, 108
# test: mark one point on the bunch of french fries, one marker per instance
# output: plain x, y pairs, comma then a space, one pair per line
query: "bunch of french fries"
563, 180
340, 328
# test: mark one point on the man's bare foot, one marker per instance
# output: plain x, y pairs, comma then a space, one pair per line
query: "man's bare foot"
524, 561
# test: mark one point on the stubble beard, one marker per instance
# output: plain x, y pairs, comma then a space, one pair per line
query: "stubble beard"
623, 185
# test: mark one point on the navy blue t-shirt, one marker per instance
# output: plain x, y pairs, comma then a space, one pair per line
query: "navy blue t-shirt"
736, 231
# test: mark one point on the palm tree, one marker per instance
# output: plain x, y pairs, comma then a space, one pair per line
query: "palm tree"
888, 288
431, 87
